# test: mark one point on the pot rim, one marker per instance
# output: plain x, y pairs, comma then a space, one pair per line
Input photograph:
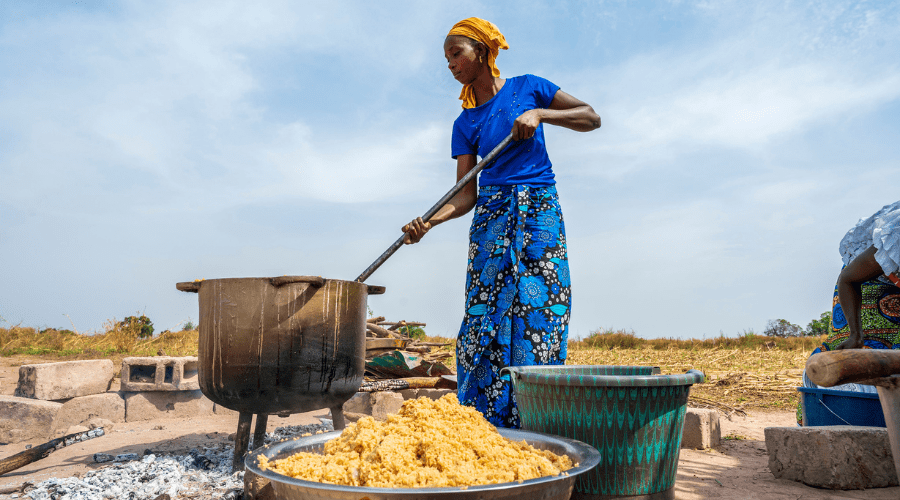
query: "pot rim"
584, 454
581, 376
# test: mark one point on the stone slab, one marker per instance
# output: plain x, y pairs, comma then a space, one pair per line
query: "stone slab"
385, 403
428, 393
360, 403
166, 404
701, 429
839, 457
64, 380
375, 404
79, 411
160, 373
22, 419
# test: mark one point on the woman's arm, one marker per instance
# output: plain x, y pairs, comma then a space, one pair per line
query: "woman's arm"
458, 206
564, 111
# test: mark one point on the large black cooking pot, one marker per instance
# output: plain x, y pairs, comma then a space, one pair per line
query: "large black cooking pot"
289, 344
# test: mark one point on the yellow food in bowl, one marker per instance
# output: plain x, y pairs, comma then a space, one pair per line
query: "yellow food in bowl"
427, 444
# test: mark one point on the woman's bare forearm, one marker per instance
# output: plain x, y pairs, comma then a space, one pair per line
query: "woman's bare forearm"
459, 205
580, 118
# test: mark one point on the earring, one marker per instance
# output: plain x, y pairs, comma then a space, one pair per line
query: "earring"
480, 60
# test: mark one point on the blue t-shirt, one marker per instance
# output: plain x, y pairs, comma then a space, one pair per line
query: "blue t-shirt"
478, 130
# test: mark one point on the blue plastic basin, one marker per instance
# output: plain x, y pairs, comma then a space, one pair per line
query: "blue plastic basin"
831, 407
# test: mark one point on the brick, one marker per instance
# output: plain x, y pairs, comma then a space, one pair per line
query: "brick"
22, 419
166, 404
160, 373
79, 411
69, 379
701, 429
838, 457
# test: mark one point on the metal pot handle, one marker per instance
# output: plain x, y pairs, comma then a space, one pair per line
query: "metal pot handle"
374, 289
316, 281
189, 286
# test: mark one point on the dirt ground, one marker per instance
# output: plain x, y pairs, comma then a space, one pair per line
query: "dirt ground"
737, 470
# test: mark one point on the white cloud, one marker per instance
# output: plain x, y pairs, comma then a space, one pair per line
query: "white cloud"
352, 170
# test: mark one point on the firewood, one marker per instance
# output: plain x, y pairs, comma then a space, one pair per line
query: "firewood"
375, 320
403, 323
26, 457
377, 330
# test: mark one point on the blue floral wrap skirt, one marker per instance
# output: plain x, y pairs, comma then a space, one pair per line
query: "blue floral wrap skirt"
518, 296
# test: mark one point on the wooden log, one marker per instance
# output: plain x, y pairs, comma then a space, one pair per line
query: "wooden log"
375, 320
241, 441
385, 344
405, 323
428, 383
832, 368
418, 348
26, 457
378, 331
6, 490
397, 384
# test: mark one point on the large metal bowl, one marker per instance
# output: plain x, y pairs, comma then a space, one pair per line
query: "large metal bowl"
544, 488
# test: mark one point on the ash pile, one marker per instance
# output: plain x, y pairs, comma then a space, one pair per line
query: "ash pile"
199, 474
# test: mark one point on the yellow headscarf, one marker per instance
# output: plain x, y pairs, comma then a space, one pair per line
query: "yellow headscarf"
488, 34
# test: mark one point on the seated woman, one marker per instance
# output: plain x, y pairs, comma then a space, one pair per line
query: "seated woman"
866, 305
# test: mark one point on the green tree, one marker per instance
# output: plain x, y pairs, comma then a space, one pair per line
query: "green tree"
141, 324
782, 328
819, 326
413, 332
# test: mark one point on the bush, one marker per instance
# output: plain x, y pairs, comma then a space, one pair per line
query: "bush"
189, 326
821, 326
141, 324
413, 332
610, 339
782, 328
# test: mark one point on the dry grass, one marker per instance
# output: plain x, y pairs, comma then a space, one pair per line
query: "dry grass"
742, 373
736, 378
747, 372
115, 341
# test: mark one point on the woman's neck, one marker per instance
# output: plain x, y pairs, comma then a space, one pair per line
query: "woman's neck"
486, 87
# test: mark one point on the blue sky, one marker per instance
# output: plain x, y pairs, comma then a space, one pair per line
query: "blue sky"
147, 143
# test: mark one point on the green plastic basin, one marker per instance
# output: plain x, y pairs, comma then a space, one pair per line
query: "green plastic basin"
633, 417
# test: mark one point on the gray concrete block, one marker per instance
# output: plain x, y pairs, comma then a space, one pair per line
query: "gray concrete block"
428, 393
361, 403
701, 429
435, 393
409, 393
160, 373
22, 419
385, 403
166, 404
839, 457
376, 404
79, 411
68, 379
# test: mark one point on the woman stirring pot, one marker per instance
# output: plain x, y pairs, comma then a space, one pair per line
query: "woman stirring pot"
517, 285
